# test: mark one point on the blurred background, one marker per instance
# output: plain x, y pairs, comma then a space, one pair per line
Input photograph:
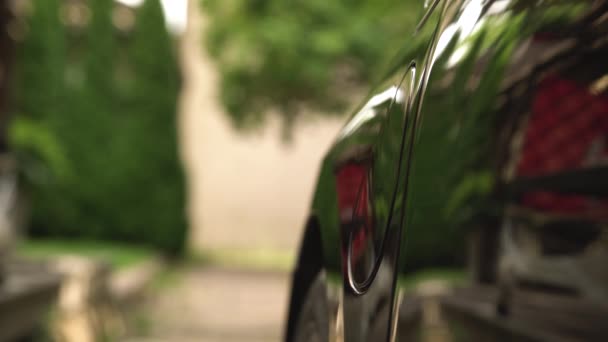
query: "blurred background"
157, 158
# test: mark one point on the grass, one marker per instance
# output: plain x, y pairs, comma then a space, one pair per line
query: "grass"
169, 277
116, 254
450, 277
253, 259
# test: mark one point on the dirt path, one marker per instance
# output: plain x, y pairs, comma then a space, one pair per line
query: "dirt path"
217, 305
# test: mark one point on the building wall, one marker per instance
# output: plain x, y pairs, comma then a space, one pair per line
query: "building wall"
246, 191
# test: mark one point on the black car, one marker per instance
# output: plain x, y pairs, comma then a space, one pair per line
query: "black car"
466, 199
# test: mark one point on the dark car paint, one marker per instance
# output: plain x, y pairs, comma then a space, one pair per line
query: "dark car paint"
428, 129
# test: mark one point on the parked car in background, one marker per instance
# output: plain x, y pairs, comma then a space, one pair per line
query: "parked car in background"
484, 149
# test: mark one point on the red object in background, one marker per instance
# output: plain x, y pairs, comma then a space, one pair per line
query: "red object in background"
567, 130
353, 190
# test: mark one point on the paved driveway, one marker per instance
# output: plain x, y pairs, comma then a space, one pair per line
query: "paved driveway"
216, 305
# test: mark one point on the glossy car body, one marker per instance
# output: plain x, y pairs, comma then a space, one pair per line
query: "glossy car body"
446, 150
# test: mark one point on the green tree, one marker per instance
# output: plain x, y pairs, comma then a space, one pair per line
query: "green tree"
39, 94
6, 57
118, 143
41, 57
158, 172
276, 54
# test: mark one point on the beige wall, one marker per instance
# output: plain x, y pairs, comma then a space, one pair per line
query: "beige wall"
246, 191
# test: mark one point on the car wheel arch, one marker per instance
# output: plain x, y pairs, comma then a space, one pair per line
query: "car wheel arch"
308, 265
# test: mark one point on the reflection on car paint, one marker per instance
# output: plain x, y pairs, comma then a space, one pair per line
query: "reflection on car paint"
448, 152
